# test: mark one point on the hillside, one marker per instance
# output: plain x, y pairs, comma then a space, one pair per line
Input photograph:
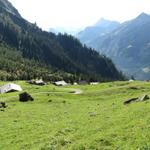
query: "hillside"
128, 46
61, 53
13, 66
59, 119
100, 28
7, 6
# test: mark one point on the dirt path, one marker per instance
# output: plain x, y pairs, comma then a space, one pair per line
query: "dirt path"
74, 91
77, 91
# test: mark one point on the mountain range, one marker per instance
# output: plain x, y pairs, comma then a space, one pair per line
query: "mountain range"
99, 29
27, 52
128, 46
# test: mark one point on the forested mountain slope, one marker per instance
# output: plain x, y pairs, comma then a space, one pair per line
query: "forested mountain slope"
57, 53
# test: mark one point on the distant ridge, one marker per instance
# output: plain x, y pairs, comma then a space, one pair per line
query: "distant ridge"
106, 23
100, 28
128, 46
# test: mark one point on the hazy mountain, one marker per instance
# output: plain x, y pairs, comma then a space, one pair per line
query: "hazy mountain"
107, 24
99, 29
26, 52
129, 46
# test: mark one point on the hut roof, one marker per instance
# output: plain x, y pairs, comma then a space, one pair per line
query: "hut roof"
10, 87
61, 83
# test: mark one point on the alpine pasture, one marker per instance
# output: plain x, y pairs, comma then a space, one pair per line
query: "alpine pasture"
79, 117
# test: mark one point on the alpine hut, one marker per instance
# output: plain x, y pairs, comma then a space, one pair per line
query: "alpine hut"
10, 87
61, 83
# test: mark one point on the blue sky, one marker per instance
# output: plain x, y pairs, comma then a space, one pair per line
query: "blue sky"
78, 13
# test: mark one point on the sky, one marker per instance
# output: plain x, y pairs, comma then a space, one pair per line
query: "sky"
78, 13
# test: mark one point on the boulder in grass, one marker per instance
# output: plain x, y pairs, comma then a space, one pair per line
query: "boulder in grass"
24, 97
143, 98
3, 105
130, 100
137, 99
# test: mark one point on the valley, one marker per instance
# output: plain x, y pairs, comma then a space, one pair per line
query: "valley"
86, 91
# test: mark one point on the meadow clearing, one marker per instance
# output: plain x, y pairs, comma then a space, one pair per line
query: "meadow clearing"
93, 119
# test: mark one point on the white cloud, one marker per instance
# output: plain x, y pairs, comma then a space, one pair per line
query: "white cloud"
77, 13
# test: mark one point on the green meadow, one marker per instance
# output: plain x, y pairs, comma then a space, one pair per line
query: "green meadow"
93, 119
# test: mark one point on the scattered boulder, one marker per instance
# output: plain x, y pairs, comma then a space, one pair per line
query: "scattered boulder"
3, 105
24, 97
92, 114
137, 99
133, 88
130, 100
64, 101
50, 100
143, 98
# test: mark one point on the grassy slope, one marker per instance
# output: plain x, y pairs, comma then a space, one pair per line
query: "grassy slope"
95, 119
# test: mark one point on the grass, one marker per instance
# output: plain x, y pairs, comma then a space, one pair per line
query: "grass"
57, 119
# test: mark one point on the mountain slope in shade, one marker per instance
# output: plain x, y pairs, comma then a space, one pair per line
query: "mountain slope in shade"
129, 46
60, 52
7, 6
102, 27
